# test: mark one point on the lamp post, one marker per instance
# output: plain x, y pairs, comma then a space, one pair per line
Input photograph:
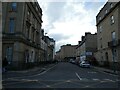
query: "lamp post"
45, 48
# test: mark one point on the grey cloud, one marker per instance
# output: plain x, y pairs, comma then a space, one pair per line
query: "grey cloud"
59, 37
55, 10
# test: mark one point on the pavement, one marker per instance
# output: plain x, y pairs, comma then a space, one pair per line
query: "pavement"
107, 70
27, 72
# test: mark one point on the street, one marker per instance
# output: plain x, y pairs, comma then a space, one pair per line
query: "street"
63, 75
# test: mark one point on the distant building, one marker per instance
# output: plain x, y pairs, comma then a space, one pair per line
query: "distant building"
50, 52
43, 45
0, 32
58, 55
88, 46
21, 28
67, 52
78, 51
108, 37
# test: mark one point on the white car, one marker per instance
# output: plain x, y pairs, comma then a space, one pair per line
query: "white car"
85, 64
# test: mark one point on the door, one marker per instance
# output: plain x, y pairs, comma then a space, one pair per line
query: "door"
9, 54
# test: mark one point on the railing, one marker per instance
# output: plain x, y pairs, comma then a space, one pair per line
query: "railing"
114, 43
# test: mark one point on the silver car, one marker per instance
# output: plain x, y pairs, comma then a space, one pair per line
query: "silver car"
85, 64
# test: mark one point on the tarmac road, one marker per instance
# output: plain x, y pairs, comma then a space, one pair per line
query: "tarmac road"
63, 75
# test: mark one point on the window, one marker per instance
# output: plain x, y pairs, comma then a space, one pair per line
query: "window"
9, 53
11, 25
106, 11
14, 6
112, 19
100, 29
26, 56
101, 42
113, 36
32, 34
35, 23
27, 31
111, 5
99, 18
36, 8
114, 55
28, 15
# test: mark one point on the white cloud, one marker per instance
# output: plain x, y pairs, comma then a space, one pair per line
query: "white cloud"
72, 20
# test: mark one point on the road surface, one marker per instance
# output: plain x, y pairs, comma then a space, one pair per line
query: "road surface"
63, 75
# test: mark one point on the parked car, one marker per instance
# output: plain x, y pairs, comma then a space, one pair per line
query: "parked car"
72, 61
85, 64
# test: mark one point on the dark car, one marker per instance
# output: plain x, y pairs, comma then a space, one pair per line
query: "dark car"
72, 61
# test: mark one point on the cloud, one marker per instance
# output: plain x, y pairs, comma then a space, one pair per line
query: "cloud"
68, 21
54, 11
58, 36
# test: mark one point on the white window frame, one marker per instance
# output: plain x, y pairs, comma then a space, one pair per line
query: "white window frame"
111, 5
112, 19
106, 11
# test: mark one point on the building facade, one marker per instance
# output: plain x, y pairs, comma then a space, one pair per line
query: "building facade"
66, 52
21, 25
108, 35
50, 50
78, 52
88, 46
57, 56
0, 33
43, 49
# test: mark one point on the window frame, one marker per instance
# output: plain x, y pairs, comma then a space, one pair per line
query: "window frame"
11, 25
112, 19
14, 6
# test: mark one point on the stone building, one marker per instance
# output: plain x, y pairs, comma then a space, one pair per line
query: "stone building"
67, 52
58, 56
21, 25
78, 52
88, 46
43, 44
50, 50
108, 35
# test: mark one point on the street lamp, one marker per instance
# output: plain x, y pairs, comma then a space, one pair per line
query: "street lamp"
45, 47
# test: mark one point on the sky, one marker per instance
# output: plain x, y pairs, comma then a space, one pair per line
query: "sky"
67, 20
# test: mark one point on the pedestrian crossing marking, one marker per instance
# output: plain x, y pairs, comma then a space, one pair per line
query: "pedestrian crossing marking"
94, 79
61, 81
68, 81
48, 86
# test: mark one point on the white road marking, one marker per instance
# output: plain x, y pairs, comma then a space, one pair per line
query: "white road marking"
103, 81
109, 80
106, 72
68, 81
95, 79
78, 76
48, 86
87, 86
